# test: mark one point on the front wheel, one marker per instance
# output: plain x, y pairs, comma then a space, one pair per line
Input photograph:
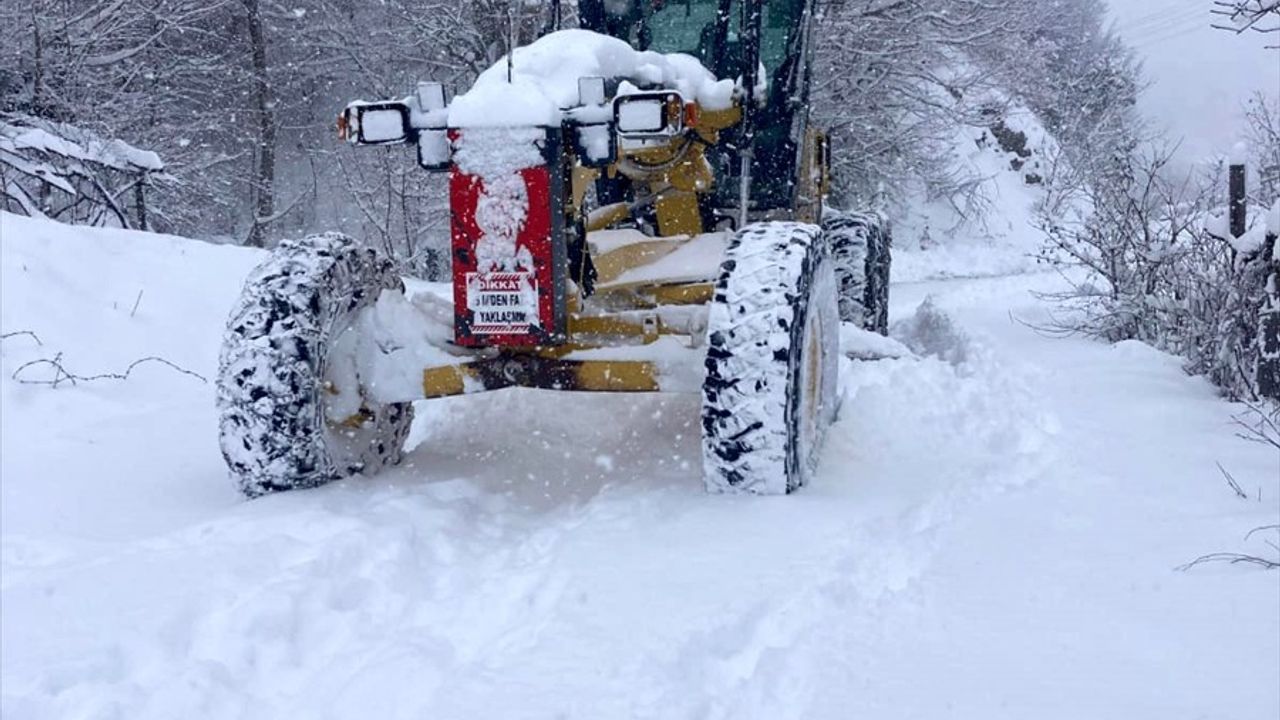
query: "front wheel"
285, 420
772, 344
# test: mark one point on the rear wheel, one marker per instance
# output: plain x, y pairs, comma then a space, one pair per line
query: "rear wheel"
276, 401
860, 248
773, 339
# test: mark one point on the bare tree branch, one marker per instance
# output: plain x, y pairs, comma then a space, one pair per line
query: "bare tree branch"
62, 375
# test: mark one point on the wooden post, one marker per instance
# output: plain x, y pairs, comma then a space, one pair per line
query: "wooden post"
1238, 204
140, 201
1268, 375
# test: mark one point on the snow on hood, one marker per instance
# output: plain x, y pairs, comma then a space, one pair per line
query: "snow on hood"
546, 72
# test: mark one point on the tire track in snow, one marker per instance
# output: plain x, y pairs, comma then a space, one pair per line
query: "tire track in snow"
593, 588
897, 409
733, 657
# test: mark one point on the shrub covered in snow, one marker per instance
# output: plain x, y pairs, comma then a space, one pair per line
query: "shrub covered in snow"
1149, 258
65, 172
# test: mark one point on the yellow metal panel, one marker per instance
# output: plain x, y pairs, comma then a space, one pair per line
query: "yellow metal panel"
617, 376
691, 294
554, 352
712, 121
581, 180
604, 325
654, 158
693, 173
444, 381
678, 214
810, 185
541, 368
603, 217
357, 421
611, 265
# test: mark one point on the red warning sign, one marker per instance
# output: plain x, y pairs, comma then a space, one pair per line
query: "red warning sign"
503, 262
502, 303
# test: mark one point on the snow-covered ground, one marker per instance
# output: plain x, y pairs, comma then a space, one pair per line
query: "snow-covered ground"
993, 533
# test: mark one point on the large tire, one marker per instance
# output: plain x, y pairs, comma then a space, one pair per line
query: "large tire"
861, 253
272, 372
879, 266
772, 346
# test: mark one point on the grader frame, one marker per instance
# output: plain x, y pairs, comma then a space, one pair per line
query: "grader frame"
673, 181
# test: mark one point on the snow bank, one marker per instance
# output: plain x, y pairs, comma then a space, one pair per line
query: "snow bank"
929, 332
1218, 224
99, 299
862, 344
1250, 242
546, 73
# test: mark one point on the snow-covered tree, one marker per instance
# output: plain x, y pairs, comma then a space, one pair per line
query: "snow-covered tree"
1262, 118
1077, 75
896, 80
893, 81
1151, 258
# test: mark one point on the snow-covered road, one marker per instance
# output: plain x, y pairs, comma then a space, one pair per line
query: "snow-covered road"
992, 534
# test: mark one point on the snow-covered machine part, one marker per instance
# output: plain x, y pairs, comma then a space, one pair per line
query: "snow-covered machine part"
284, 422
773, 336
545, 76
543, 88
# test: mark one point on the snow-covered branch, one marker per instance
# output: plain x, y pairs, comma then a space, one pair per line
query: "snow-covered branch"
59, 170
1243, 15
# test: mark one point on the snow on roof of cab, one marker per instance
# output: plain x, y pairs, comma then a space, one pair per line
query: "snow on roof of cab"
546, 72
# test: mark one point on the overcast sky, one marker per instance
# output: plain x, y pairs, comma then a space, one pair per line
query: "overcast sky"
1200, 76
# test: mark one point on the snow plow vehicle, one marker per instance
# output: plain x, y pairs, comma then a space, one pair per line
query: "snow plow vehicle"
636, 206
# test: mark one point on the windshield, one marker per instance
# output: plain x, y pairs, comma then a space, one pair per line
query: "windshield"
781, 18
686, 26
705, 29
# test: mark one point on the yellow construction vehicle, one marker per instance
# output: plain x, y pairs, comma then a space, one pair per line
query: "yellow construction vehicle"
636, 206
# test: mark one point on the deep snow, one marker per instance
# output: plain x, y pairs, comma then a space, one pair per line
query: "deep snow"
992, 533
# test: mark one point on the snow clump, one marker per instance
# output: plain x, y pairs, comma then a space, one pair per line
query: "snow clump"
544, 80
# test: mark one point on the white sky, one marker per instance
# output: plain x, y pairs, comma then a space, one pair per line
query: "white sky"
1200, 77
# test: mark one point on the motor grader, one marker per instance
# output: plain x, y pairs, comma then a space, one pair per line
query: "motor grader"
636, 205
